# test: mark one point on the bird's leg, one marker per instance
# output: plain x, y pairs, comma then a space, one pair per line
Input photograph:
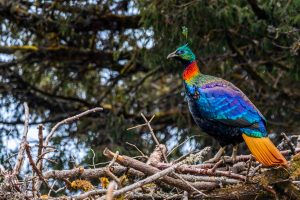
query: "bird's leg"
217, 156
234, 153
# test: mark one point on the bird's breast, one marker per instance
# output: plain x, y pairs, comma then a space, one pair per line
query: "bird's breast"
193, 92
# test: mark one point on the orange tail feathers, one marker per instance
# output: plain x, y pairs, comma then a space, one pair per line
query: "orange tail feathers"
264, 151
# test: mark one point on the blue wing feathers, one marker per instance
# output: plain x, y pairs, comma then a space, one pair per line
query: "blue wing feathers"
223, 102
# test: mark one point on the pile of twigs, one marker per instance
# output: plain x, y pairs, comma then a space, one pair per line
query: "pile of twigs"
152, 177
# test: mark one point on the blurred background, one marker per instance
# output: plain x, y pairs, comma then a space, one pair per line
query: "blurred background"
64, 57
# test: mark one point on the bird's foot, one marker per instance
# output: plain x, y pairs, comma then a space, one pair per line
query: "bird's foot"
217, 156
234, 153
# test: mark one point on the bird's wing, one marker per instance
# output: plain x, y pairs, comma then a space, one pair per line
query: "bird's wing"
223, 102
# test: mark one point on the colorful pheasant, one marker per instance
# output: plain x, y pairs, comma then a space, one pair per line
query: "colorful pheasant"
224, 112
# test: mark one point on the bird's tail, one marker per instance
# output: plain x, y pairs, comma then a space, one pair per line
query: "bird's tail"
264, 151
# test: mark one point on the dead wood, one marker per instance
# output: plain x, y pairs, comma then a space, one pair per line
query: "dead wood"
129, 178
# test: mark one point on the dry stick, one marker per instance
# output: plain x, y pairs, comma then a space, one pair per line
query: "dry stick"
241, 158
238, 167
175, 196
33, 188
87, 194
185, 195
50, 160
40, 147
59, 189
147, 180
68, 120
178, 176
109, 173
137, 126
47, 147
41, 157
112, 176
90, 173
114, 159
149, 170
193, 170
177, 146
153, 135
289, 142
152, 196
50, 135
184, 156
157, 155
227, 159
10, 157
101, 163
56, 191
51, 189
140, 125
110, 190
93, 158
287, 152
52, 186
248, 169
68, 183
221, 179
137, 149
119, 170
218, 164
21, 151
33, 166
255, 170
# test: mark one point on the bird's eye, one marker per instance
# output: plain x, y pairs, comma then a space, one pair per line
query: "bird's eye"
180, 52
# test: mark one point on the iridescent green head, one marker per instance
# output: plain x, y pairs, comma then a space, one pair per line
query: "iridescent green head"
184, 54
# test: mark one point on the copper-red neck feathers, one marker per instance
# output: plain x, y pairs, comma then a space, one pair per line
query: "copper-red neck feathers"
191, 71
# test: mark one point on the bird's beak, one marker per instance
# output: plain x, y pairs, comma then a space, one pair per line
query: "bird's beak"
171, 55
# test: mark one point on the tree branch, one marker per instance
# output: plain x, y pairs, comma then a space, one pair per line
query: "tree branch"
21, 151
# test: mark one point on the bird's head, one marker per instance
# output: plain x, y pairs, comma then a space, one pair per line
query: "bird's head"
183, 54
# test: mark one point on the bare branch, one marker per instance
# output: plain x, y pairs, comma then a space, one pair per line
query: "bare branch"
33, 166
149, 170
289, 142
153, 136
147, 180
110, 191
182, 178
88, 194
157, 155
68, 120
50, 135
21, 151
142, 154
90, 173
40, 135
177, 146
201, 193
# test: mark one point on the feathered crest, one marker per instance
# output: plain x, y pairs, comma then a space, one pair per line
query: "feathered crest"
186, 45
185, 32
